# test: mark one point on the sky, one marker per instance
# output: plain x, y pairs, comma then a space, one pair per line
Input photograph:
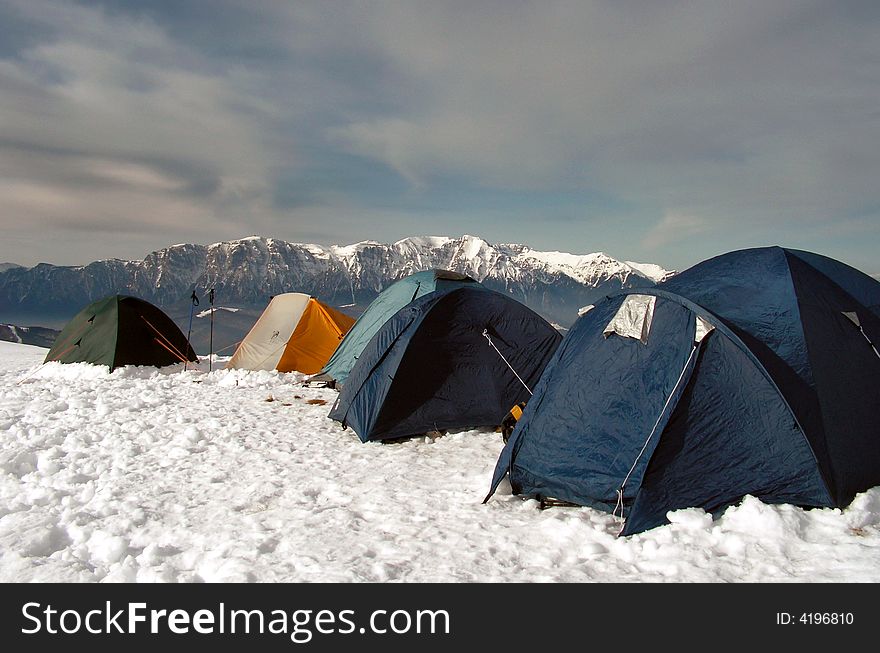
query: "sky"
653, 130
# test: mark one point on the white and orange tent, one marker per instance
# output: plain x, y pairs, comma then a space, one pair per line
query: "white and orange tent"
296, 332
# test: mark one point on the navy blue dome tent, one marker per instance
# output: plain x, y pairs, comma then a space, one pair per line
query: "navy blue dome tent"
448, 360
380, 310
755, 372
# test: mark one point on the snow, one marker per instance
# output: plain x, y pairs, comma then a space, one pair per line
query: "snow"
564, 259
344, 251
13, 331
317, 251
429, 242
164, 475
588, 269
472, 246
650, 270
207, 311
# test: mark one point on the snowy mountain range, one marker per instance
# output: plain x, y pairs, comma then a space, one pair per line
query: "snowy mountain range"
247, 272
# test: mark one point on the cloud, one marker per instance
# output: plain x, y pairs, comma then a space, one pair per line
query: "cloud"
240, 117
744, 110
674, 226
110, 117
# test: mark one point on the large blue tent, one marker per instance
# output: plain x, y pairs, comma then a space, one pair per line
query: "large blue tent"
448, 360
755, 372
380, 310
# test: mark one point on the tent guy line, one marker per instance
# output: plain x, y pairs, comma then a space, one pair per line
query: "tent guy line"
506, 362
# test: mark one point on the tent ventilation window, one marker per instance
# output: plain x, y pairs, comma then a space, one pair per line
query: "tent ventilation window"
633, 318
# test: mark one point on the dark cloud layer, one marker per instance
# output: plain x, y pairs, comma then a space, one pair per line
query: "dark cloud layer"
653, 130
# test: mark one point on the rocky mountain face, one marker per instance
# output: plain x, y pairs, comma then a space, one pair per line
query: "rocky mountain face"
247, 272
39, 336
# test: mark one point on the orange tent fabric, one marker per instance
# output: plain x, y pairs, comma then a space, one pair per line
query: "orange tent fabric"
315, 338
296, 332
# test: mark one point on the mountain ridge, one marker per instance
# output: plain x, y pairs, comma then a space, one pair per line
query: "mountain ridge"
248, 271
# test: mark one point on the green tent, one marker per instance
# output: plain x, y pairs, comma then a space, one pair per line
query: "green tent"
121, 330
389, 301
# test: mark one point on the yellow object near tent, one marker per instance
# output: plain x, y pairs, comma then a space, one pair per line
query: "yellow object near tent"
296, 333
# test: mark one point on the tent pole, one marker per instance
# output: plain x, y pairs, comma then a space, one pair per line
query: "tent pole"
211, 337
195, 302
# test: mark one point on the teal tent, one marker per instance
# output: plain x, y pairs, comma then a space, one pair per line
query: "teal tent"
389, 301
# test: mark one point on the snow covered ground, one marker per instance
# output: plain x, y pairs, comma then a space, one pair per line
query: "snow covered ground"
164, 475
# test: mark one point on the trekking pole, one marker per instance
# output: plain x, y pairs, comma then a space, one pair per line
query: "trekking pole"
211, 337
195, 302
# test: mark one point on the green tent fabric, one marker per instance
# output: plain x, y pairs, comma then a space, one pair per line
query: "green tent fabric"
121, 330
389, 301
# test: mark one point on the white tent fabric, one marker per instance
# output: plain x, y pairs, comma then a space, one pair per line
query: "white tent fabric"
633, 318
703, 329
264, 344
853, 317
583, 310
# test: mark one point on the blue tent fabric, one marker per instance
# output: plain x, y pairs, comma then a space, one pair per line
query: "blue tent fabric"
731, 435
380, 310
430, 368
859, 285
613, 408
781, 401
847, 379
367, 386
784, 285
757, 299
